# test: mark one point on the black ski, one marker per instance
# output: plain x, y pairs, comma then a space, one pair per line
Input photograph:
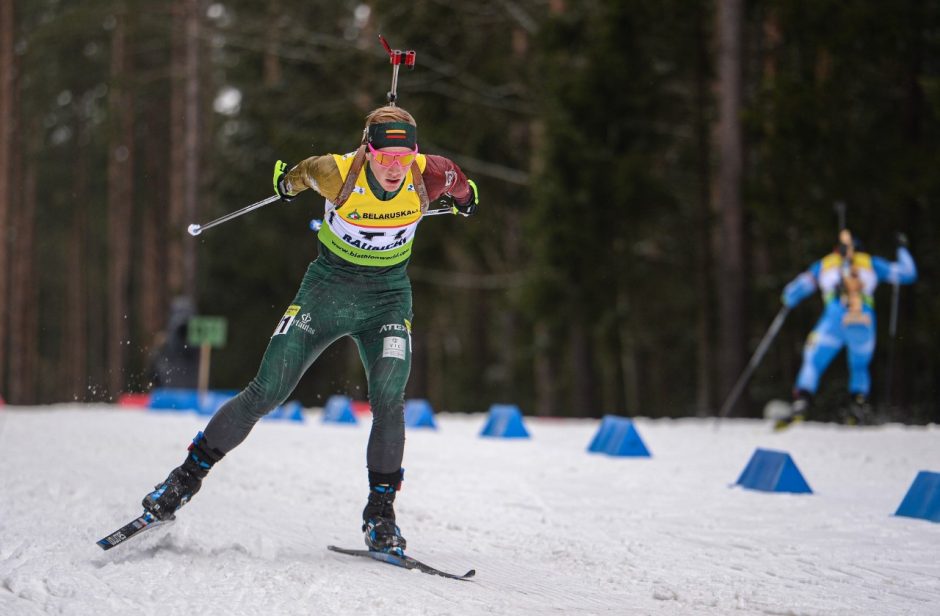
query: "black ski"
406, 562
135, 527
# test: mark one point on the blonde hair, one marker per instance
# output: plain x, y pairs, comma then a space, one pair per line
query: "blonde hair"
388, 113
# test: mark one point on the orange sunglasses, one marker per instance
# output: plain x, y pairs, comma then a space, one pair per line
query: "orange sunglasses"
387, 159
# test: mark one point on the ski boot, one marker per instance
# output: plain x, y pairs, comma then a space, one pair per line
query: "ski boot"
183, 481
858, 412
378, 518
798, 409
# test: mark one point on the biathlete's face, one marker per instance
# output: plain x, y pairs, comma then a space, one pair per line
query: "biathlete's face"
390, 165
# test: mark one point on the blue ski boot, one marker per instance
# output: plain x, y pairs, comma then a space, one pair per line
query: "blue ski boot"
380, 531
183, 481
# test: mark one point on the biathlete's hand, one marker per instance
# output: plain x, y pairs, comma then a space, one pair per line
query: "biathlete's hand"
470, 207
901, 239
280, 170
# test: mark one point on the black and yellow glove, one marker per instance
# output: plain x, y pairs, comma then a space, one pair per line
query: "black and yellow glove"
470, 207
280, 171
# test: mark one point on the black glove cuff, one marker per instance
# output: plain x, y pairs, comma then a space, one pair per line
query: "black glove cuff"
282, 190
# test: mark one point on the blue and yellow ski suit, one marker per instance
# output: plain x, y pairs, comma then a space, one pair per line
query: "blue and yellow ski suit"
847, 284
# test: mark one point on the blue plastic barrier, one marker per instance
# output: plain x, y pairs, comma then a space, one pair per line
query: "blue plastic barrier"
289, 411
213, 400
167, 399
418, 414
773, 471
617, 436
338, 410
923, 498
504, 421
189, 401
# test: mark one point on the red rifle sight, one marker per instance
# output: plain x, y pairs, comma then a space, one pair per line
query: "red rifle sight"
397, 56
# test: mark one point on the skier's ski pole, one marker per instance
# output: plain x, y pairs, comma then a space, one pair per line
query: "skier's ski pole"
840, 213
893, 329
195, 229
445, 210
755, 360
892, 334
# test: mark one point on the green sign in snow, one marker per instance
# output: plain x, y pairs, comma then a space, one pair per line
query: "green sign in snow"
209, 331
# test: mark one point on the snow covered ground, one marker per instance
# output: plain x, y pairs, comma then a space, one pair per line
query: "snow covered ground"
549, 528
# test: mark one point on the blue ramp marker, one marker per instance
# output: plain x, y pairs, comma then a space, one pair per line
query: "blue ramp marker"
617, 436
773, 471
213, 400
338, 410
504, 421
418, 414
169, 399
923, 498
289, 411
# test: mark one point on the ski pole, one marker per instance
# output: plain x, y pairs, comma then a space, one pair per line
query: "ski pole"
893, 329
445, 210
755, 360
892, 334
840, 213
195, 229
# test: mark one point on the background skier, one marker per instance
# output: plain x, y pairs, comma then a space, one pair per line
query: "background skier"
846, 278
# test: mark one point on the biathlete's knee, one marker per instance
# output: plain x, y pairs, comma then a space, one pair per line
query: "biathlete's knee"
260, 398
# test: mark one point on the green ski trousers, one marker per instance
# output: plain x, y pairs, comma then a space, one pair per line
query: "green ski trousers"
335, 299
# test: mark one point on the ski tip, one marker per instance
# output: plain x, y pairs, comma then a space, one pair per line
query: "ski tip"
469, 574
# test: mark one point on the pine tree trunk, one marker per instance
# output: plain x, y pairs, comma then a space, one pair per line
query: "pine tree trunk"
13, 301
545, 360
583, 377
176, 212
512, 246
24, 296
629, 366
191, 139
120, 202
704, 360
272, 62
151, 298
75, 348
7, 84
729, 234
185, 140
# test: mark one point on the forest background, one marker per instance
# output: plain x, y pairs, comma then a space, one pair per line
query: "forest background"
651, 173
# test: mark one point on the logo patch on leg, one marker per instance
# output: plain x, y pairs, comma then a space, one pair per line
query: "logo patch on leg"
284, 324
393, 346
304, 323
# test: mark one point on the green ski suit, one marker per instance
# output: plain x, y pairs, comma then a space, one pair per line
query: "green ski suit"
358, 286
